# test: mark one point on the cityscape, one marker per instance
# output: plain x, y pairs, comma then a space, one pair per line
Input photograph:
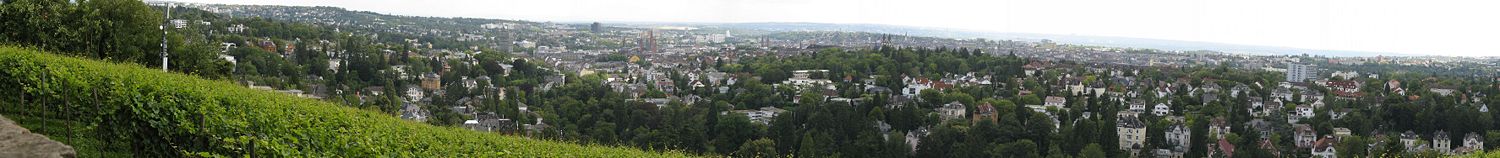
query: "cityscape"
127, 78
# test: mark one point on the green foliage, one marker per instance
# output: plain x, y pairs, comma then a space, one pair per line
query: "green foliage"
1091, 151
758, 148
155, 114
114, 30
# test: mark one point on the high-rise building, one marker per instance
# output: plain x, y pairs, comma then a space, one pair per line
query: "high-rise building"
596, 28
1300, 73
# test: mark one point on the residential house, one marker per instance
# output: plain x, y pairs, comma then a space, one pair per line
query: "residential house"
1441, 142
431, 81
915, 86
1305, 135
1179, 136
1440, 90
1209, 89
1219, 127
1342, 132
1394, 86
1137, 106
1166, 153
1055, 101
1262, 127
1323, 148
1221, 149
1239, 88
1282, 93
953, 110
985, 112
1132, 133
1305, 111
1161, 110
802, 80
414, 113
762, 116
489, 122
1346, 89
1472, 142
1410, 140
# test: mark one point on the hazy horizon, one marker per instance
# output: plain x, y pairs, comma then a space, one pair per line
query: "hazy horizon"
1416, 28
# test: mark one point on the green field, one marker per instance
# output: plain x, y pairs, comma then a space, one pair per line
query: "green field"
125, 110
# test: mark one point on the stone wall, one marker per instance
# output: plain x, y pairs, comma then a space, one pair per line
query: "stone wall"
16, 141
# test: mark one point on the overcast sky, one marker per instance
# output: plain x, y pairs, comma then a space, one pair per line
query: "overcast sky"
1431, 27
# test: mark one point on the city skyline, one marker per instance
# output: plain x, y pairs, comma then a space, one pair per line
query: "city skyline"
1448, 29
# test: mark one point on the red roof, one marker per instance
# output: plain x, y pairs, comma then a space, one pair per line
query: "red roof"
1226, 147
1323, 144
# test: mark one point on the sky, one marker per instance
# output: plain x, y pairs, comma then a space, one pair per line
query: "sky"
1423, 27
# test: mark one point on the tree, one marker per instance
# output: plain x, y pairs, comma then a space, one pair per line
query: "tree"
733, 130
940, 142
118, 30
1091, 151
758, 148
1023, 148
1352, 146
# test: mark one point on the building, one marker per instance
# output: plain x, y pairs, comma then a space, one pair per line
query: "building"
1305, 111
1441, 142
954, 110
1305, 135
1055, 101
596, 28
1137, 106
1165, 153
1472, 142
1342, 132
1219, 127
762, 116
414, 113
1323, 148
1179, 136
1300, 73
431, 81
1409, 139
1221, 149
1344, 89
914, 86
489, 122
804, 79
985, 112
1161, 109
1132, 133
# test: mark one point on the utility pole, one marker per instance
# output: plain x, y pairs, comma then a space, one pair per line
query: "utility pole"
163, 28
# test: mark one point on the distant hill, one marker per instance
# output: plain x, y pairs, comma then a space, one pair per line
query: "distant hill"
123, 110
1070, 39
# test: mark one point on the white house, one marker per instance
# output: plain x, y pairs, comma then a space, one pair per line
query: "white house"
801, 79
1472, 142
1161, 110
1305, 111
1055, 101
1323, 148
1441, 142
1179, 136
915, 86
1138, 106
